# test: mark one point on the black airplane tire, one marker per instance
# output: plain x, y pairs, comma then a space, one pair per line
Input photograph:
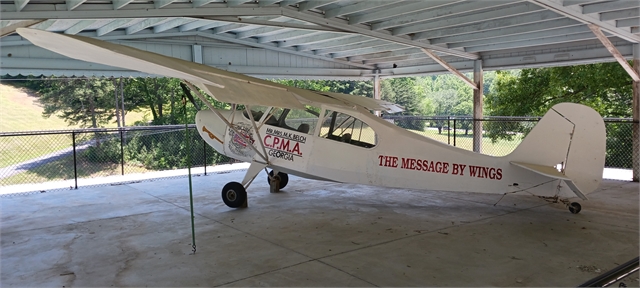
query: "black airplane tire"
575, 207
284, 179
234, 195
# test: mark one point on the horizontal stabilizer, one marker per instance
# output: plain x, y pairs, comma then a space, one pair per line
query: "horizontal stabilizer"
552, 173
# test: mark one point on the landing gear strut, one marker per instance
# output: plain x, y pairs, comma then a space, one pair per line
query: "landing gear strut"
278, 181
234, 195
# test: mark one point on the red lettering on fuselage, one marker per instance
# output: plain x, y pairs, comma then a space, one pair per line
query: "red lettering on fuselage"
282, 144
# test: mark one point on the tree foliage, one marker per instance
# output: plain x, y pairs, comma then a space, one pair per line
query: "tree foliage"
605, 87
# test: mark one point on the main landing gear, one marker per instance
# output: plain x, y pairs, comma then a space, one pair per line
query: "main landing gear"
277, 182
234, 194
574, 207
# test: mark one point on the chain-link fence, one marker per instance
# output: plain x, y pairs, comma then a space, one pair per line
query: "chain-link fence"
78, 156
501, 135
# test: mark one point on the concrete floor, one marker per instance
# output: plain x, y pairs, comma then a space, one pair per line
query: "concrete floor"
311, 234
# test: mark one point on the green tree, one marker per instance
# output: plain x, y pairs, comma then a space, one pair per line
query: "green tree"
79, 101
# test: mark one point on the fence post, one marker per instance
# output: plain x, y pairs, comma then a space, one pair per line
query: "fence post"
449, 130
454, 131
205, 156
122, 150
75, 162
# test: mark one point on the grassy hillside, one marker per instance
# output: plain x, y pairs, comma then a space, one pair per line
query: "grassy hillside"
20, 111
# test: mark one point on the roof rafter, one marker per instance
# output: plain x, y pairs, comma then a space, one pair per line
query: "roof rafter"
397, 11
304, 38
450, 68
20, 4
113, 25
573, 12
271, 23
358, 7
438, 10
79, 26
268, 46
616, 54
73, 4
12, 28
173, 23
363, 30
608, 6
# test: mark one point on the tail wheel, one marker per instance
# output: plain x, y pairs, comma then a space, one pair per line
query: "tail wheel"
234, 195
283, 177
575, 207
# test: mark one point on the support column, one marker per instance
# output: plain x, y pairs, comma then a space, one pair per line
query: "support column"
376, 90
477, 106
635, 158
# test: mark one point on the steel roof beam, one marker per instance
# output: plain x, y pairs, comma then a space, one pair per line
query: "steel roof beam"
117, 4
211, 25
364, 30
264, 3
194, 25
313, 4
616, 54
271, 23
622, 14
609, 6
73, 4
573, 12
79, 26
162, 3
113, 25
628, 22
531, 42
358, 46
491, 24
269, 46
260, 31
355, 8
286, 3
198, 3
541, 35
335, 43
233, 3
227, 28
367, 50
143, 25
575, 2
506, 12
512, 30
122, 9
398, 10
451, 69
288, 36
173, 23
20, 4
305, 38
443, 10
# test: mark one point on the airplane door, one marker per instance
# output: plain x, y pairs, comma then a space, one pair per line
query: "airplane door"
343, 149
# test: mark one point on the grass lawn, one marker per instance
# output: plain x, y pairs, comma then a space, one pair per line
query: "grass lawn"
20, 111
500, 148
62, 169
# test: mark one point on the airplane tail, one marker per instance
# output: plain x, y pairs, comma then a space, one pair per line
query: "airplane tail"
571, 137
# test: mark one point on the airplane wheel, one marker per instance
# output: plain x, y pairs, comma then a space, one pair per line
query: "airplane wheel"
284, 179
575, 207
234, 194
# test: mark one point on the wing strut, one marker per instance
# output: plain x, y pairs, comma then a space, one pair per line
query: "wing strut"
206, 102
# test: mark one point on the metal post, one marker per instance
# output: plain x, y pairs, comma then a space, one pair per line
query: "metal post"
122, 150
635, 144
449, 130
205, 156
454, 131
75, 162
477, 106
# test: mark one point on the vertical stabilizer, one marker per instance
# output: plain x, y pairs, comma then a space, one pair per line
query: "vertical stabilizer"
570, 136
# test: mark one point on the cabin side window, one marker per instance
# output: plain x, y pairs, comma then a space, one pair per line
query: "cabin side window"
348, 129
303, 121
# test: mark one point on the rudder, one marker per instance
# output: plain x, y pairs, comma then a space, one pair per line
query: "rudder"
572, 135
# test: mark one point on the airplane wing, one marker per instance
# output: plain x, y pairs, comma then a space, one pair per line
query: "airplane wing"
223, 85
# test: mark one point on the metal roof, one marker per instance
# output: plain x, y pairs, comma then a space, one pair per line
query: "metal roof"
328, 38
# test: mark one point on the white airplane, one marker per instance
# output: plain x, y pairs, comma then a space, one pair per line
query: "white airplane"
335, 137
